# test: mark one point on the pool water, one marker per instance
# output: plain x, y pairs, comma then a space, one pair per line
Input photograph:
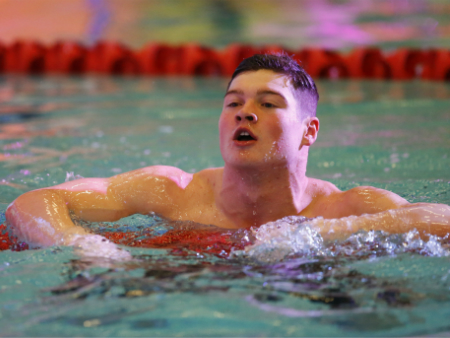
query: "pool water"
393, 135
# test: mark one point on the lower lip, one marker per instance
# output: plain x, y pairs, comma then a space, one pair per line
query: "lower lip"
244, 143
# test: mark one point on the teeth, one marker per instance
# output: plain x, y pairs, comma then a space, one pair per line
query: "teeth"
244, 133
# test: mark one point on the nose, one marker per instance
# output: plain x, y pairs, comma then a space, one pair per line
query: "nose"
245, 115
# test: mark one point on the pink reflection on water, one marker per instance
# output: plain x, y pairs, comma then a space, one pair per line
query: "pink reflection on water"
323, 23
14, 145
334, 24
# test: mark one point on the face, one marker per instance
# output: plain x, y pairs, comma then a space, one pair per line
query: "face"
260, 121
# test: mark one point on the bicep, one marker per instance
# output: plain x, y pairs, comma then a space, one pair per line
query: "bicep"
158, 189
91, 199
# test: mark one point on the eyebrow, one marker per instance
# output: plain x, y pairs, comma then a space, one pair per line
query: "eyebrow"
234, 91
259, 93
270, 92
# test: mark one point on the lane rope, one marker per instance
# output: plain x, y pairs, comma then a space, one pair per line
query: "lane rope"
160, 59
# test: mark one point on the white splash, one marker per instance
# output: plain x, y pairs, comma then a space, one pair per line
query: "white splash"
295, 236
96, 246
284, 237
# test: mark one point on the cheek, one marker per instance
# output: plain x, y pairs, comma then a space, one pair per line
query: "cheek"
221, 125
280, 130
225, 127
275, 127
288, 132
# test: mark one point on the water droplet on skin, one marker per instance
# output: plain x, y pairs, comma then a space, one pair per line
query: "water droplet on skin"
254, 212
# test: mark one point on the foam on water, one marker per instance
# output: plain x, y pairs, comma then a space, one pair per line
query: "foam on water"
295, 236
287, 236
94, 246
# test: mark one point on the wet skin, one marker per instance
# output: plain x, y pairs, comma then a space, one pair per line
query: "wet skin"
264, 141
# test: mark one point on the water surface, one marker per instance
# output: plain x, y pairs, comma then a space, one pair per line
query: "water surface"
393, 135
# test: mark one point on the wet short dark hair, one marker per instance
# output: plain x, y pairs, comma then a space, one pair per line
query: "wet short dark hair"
284, 64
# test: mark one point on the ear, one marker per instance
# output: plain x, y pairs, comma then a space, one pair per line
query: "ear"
310, 132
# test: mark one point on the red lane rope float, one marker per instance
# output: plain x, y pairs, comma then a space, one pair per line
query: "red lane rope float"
112, 58
368, 63
324, 63
24, 57
66, 58
179, 241
405, 64
159, 59
439, 64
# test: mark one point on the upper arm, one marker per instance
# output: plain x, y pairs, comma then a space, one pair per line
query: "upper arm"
156, 189
139, 191
370, 200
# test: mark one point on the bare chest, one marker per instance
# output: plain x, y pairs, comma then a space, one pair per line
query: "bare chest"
197, 203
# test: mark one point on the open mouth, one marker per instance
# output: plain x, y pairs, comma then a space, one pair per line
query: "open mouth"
244, 135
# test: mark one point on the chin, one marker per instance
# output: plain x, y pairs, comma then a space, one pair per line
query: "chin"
253, 162
253, 158
241, 161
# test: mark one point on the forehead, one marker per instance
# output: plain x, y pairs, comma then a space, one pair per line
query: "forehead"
262, 79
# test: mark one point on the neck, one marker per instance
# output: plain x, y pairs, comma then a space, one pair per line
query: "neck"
254, 195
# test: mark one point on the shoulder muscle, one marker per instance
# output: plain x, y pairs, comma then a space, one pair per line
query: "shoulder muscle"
165, 173
370, 200
151, 189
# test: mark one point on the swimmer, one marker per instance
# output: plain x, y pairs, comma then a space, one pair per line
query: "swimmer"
267, 125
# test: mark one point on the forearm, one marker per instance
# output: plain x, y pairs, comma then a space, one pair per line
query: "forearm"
41, 218
427, 218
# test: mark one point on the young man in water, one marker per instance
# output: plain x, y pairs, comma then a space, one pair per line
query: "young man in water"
266, 128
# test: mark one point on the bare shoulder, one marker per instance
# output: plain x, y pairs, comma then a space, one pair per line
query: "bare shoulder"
158, 173
373, 199
318, 200
210, 177
159, 189
330, 202
365, 200
154, 175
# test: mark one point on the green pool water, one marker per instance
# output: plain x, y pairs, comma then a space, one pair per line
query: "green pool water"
393, 135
